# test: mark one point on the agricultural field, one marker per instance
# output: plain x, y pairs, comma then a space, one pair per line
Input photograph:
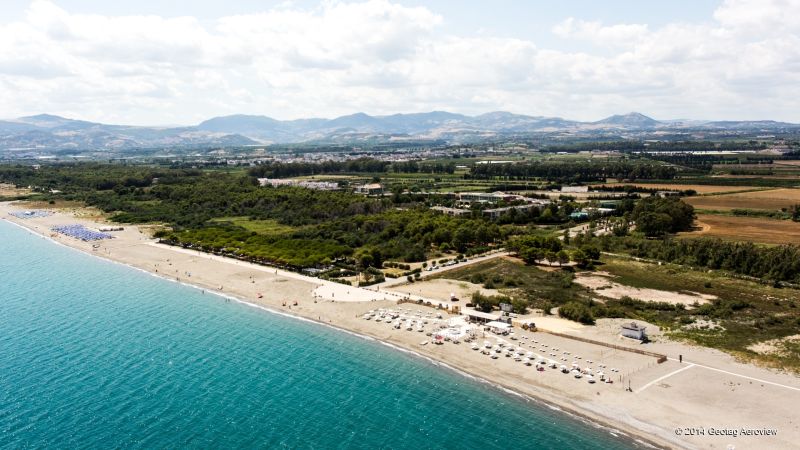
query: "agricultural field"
775, 168
754, 229
772, 199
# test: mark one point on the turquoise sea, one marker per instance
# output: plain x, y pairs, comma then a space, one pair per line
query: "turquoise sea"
99, 355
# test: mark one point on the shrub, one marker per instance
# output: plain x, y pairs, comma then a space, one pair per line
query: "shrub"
578, 312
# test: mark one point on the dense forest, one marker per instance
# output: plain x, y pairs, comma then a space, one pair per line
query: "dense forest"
360, 165
322, 225
779, 263
656, 216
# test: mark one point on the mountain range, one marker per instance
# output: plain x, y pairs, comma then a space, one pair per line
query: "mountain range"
57, 133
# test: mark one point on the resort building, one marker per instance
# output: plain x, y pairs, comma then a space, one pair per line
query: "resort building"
498, 327
574, 189
486, 197
494, 213
317, 185
634, 331
370, 189
451, 211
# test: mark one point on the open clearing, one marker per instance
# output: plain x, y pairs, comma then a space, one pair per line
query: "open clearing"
267, 227
603, 285
441, 289
773, 199
775, 346
755, 229
9, 190
699, 188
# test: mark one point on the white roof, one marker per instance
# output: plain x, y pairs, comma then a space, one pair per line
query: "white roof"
483, 315
497, 324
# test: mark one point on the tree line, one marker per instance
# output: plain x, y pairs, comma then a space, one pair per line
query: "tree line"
573, 171
277, 169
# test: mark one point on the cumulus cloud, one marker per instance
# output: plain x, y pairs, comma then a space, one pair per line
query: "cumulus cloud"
383, 57
595, 31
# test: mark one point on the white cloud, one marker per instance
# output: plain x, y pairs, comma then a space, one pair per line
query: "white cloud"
383, 57
596, 32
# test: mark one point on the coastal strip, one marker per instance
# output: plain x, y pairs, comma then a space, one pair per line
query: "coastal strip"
649, 417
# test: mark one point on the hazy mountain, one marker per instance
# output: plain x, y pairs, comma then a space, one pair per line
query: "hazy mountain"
750, 125
50, 132
630, 120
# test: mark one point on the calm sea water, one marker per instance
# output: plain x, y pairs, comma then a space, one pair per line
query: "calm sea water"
98, 355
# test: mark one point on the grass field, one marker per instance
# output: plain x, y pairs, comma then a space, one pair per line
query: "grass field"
266, 227
755, 229
772, 199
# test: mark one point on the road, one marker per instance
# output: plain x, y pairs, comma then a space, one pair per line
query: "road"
425, 274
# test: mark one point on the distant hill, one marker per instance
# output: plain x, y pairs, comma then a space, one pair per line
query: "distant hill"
630, 120
50, 132
47, 131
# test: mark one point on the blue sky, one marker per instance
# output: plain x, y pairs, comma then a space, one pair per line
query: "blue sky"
150, 62
511, 18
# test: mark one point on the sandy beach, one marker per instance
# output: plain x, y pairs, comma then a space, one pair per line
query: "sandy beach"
697, 403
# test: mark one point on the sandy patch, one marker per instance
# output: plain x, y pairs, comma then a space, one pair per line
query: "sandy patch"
774, 346
555, 324
441, 289
9, 190
602, 285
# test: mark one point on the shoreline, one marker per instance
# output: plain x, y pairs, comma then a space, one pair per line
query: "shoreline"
644, 419
560, 407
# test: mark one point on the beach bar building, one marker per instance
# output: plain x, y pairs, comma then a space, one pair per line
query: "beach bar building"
498, 327
482, 317
634, 331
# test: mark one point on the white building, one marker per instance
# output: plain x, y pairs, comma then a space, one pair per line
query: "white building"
634, 331
498, 327
317, 185
574, 189
370, 189
452, 211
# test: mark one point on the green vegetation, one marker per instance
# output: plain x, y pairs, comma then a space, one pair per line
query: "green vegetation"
350, 237
266, 227
563, 171
229, 213
360, 165
579, 312
775, 263
532, 286
793, 214
656, 216
744, 312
